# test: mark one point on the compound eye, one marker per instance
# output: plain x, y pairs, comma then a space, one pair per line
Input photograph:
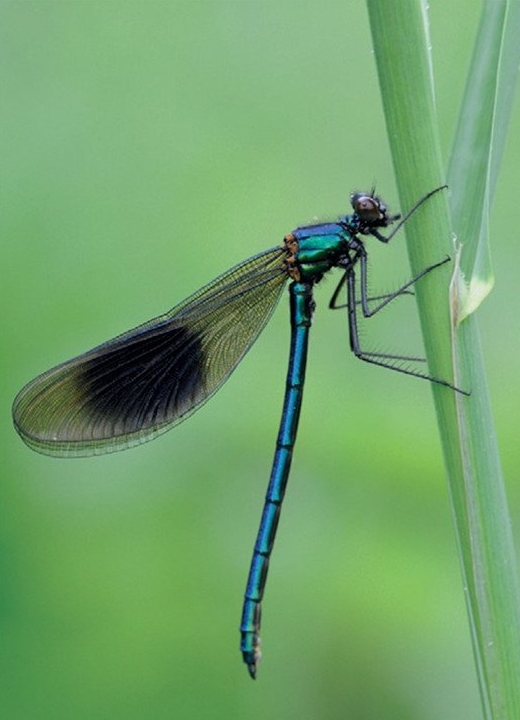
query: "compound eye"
367, 207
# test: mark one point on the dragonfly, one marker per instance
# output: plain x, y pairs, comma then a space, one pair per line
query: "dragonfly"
147, 380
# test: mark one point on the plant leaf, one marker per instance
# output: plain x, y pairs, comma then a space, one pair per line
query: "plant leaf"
479, 144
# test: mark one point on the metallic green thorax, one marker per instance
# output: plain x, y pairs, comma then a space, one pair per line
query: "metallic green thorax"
312, 255
316, 255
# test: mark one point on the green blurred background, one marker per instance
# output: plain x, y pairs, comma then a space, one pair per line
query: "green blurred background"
147, 147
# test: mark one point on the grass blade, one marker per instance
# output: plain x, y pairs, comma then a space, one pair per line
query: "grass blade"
465, 424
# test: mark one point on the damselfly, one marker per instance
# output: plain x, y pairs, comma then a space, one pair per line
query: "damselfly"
145, 381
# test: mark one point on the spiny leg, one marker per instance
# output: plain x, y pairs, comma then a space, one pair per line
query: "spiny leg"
387, 238
301, 316
388, 356
371, 357
367, 312
332, 302
382, 297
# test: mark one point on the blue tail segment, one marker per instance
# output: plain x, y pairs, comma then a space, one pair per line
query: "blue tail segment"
302, 306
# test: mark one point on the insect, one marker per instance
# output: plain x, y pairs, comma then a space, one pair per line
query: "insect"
143, 382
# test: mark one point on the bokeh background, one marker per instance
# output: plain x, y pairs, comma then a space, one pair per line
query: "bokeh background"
147, 147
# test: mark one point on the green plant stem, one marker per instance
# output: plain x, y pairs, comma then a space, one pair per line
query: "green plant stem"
465, 424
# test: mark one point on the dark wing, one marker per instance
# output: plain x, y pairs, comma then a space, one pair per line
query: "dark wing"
142, 383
